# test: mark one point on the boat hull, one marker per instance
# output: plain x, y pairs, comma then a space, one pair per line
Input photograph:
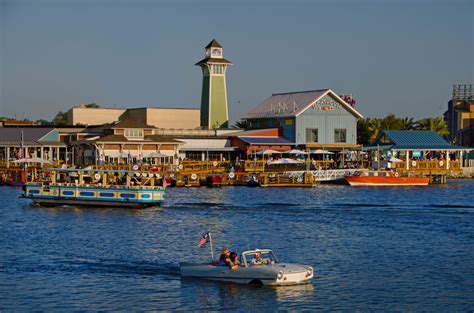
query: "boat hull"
386, 181
94, 196
261, 275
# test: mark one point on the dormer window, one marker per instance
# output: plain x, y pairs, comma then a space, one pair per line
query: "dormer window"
134, 133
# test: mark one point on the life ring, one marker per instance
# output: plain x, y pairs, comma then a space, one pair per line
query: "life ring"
396, 174
138, 174
441, 163
97, 176
231, 175
313, 162
158, 176
145, 174
135, 167
194, 176
299, 179
215, 163
413, 163
180, 166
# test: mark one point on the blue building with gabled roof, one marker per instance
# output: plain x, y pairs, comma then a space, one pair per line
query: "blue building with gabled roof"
313, 119
422, 150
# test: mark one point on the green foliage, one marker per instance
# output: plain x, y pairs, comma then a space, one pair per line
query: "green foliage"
43, 122
241, 124
92, 105
369, 128
60, 119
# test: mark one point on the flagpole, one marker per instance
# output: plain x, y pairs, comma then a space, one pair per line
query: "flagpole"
210, 243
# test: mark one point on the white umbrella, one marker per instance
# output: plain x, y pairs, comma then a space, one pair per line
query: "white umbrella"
32, 160
285, 161
320, 151
268, 151
296, 151
394, 159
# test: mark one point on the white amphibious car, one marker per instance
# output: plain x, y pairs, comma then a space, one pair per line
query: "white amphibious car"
272, 273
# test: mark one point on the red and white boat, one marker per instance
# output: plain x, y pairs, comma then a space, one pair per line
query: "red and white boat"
384, 178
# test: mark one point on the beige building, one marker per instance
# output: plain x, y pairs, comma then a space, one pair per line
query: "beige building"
165, 118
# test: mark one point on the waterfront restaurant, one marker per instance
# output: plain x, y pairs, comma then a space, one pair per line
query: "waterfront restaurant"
32, 142
418, 151
316, 119
125, 142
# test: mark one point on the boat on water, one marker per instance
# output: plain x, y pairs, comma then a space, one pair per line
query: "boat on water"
109, 188
269, 272
384, 178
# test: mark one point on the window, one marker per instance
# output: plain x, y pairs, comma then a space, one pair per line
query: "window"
311, 135
216, 52
217, 69
339, 135
134, 133
288, 122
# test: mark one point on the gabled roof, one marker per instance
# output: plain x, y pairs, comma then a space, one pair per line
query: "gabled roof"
214, 44
412, 139
293, 104
31, 135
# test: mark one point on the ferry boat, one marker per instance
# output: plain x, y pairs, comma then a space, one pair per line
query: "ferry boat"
384, 178
108, 188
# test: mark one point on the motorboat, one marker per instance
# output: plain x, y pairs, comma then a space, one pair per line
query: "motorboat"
384, 178
267, 272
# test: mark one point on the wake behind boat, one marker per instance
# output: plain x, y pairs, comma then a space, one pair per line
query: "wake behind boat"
97, 188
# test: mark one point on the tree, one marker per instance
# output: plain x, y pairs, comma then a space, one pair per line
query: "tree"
241, 124
363, 133
60, 119
92, 105
391, 122
375, 128
408, 123
43, 122
436, 124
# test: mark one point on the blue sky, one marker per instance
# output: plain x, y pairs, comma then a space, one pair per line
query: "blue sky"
397, 57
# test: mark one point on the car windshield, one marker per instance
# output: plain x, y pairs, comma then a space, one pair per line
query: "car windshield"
262, 257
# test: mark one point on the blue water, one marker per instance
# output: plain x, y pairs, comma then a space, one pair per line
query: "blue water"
403, 249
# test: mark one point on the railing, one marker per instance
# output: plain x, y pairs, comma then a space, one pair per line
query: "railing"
327, 175
265, 165
428, 166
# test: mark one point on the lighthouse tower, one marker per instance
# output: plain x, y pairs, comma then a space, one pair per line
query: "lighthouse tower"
214, 112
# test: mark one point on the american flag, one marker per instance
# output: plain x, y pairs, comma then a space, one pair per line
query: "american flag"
19, 153
205, 239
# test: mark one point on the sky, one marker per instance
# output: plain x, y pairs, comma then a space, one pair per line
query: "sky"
398, 57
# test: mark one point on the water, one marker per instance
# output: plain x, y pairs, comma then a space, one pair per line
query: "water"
373, 249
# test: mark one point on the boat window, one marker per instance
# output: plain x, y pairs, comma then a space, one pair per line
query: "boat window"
267, 255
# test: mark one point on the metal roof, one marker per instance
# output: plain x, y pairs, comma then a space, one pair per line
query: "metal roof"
292, 104
31, 135
413, 139
277, 141
214, 44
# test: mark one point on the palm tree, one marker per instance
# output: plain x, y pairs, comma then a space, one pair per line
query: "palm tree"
375, 128
436, 124
408, 123
241, 124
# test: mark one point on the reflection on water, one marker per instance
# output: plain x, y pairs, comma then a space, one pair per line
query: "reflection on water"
224, 295
409, 249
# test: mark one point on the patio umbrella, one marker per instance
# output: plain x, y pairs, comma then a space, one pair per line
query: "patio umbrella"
268, 151
394, 159
285, 161
320, 151
296, 151
32, 160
